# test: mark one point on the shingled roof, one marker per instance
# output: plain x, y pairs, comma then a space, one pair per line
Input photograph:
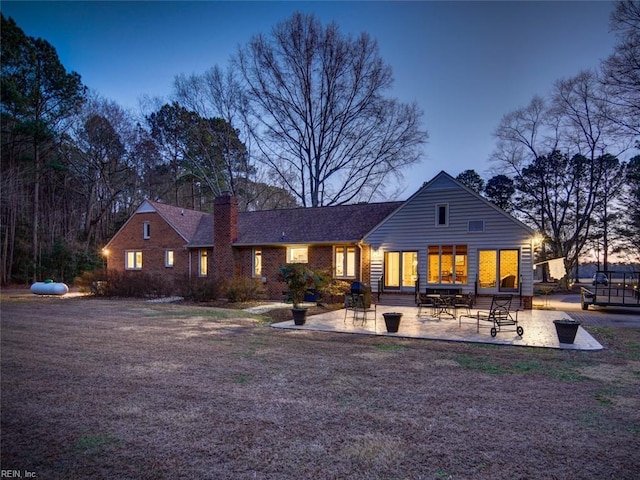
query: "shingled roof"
343, 223
183, 221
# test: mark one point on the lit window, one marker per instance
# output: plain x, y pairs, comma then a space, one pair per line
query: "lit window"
499, 269
133, 260
442, 214
409, 268
509, 270
447, 264
168, 258
257, 262
297, 255
345, 262
146, 230
203, 266
400, 269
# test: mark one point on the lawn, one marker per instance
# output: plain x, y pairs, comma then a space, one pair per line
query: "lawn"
127, 389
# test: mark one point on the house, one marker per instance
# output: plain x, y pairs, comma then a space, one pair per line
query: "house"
445, 235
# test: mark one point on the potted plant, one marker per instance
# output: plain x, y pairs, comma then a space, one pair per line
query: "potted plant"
392, 321
299, 278
566, 329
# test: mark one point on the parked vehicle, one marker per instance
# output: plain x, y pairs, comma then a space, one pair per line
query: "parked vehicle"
600, 278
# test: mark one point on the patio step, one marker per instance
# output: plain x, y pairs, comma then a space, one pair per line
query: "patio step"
395, 300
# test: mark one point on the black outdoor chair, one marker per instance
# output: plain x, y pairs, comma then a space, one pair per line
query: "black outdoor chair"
463, 301
499, 315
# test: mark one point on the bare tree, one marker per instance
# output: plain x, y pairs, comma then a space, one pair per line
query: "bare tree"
621, 71
322, 124
555, 152
219, 94
525, 134
627, 228
96, 155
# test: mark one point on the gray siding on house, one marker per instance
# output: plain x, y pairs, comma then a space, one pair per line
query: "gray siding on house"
413, 227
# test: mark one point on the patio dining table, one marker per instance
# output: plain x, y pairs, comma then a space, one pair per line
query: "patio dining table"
443, 305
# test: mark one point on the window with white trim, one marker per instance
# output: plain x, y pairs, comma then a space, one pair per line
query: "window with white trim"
257, 262
146, 230
344, 261
168, 258
133, 260
442, 214
203, 266
298, 254
400, 269
447, 264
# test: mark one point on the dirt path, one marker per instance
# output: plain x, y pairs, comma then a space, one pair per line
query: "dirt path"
127, 389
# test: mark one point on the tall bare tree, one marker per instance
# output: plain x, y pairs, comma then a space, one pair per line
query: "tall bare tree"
555, 150
627, 228
621, 70
323, 124
97, 156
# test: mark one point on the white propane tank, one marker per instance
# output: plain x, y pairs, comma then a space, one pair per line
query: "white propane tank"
49, 288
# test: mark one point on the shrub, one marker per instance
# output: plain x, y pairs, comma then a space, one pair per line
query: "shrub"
131, 284
241, 289
199, 289
333, 290
91, 281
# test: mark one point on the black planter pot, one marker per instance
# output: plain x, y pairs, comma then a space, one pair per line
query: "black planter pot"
392, 321
299, 315
566, 330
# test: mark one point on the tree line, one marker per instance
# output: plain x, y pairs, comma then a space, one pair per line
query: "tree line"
300, 117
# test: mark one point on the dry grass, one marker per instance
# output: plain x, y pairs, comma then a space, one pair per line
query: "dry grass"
126, 389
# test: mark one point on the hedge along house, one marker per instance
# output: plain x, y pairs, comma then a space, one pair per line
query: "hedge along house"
445, 235
448, 236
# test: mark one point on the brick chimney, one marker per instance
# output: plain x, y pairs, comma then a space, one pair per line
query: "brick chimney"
225, 233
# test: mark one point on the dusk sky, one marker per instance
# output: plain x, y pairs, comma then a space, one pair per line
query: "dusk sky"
466, 64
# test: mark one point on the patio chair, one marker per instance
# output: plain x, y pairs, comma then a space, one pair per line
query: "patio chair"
463, 301
499, 315
425, 300
355, 303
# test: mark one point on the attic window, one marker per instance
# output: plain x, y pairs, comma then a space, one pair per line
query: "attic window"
476, 226
442, 214
146, 230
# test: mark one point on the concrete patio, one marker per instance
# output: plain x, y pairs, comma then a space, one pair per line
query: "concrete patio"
539, 330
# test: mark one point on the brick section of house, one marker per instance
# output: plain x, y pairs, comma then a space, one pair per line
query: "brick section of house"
225, 233
162, 238
272, 258
365, 258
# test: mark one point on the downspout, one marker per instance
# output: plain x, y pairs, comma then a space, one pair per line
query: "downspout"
360, 245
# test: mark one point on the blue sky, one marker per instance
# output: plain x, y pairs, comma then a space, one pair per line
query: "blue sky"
466, 64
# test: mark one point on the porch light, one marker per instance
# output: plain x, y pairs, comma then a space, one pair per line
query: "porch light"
537, 240
105, 252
